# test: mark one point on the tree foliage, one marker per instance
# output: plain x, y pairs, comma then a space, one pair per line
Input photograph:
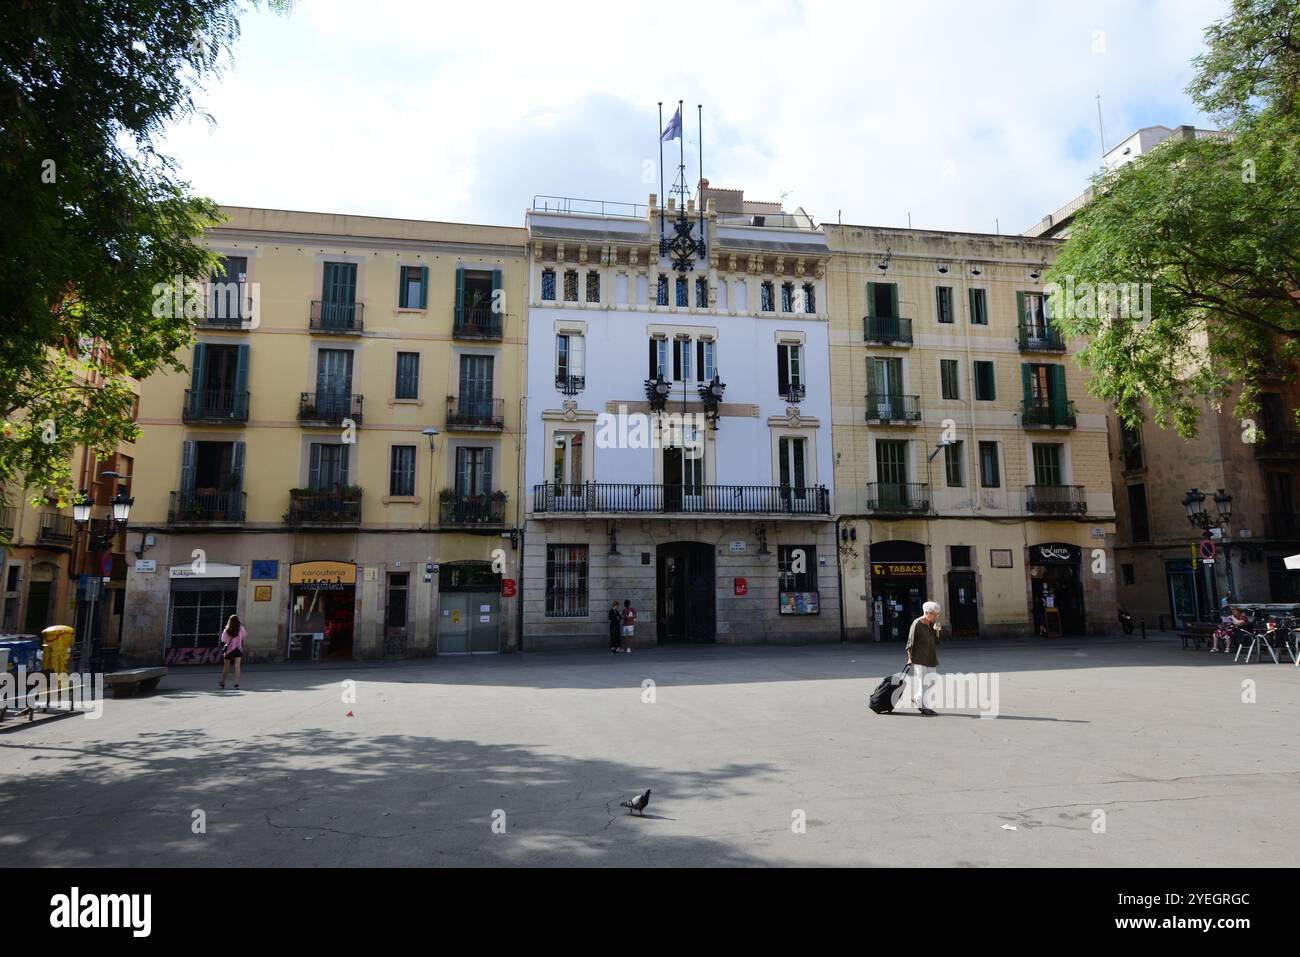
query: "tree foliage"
1212, 224
93, 215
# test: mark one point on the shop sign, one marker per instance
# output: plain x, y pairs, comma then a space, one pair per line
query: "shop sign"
210, 570
322, 576
897, 569
264, 569
742, 586
1054, 554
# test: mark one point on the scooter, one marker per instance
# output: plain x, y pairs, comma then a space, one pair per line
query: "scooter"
1126, 621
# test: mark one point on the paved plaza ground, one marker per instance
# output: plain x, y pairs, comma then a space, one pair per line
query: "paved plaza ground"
736, 742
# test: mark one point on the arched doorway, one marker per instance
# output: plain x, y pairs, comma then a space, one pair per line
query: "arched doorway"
684, 605
898, 583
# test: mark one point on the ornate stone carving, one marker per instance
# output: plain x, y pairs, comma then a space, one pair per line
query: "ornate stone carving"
820, 269
731, 263
559, 252
799, 267
537, 251
792, 416
570, 408
582, 255
780, 265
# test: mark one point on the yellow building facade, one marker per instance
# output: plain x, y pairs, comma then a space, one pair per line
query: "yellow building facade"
971, 465
341, 465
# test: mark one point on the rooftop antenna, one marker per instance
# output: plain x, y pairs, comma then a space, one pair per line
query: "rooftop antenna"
909, 220
1100, 128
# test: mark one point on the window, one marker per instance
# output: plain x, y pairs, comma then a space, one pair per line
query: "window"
952, 461
475, 402
225, 296
401, 474
1139, 523
796, 568
767, 298
413, 287
990, 477
701, 292
948, 378
789, 367
682, 300
329, 466
570, 363
943, 303
661, 292
658, 357
1126, 573
959, 556
570, 285
787, 297
395, 614
1033, 315
882, 300
979, 310
548, 285
809, 298
790, 452
566, 581
1131, 447
985, 388
1047, 464
704, 360
473, 472
408, 375
593, 286
567, 459
681, 360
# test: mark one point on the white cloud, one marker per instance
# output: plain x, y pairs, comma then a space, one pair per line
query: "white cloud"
464, 111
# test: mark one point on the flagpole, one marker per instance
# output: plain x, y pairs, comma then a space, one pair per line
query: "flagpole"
661, 170
681, 152
699, 193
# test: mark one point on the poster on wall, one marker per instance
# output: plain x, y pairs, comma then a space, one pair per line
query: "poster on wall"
800, 603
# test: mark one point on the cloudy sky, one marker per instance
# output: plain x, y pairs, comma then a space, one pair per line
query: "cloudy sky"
967, 114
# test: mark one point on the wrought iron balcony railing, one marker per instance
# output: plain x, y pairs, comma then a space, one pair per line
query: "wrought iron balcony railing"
337, 318
477, 322
1278, 445
328, 408
1041, 339
1056, 500
898, 498
893, 409
56, 529
333, 507
794, 394
570, 384
472, 510
206, 506
468, 412
215, 406
887, 331
675, 499
1046, 415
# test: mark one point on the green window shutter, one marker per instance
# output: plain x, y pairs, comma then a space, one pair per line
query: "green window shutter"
1020, 308
873, 376
237, 464
782, 366
424, 287
460, 289
893, 300
653, 356
496, 297
187, 465
1056, 383
241, 371
198, 373
871, 300
1027, 382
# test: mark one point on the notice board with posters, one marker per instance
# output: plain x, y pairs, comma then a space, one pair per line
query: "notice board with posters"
800, 603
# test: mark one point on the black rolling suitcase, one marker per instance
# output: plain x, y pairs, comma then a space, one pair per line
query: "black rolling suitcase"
885, 698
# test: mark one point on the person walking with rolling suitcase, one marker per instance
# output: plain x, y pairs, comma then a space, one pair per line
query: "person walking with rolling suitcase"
922, 655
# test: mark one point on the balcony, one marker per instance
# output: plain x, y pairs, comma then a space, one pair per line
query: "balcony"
681, 499
889, 409
459, 511
1278, 445
794, 394
887, 332
55, 529
215, 407
336, 318
570, 384
1045, 415
898, 498
1056, 500
207, 507
328, 409
1041, 339
469, 414
477, 322
340, 506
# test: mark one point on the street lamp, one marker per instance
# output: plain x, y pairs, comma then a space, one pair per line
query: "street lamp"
432, 434
1194, 503
100, 541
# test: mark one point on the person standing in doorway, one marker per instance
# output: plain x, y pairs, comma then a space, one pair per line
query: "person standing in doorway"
615, 628
232, 648
629, 625
922, 654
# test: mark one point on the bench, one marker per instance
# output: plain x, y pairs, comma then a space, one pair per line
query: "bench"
127, 683
1196, 632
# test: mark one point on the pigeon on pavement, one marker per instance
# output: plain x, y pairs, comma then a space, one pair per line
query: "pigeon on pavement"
638, 803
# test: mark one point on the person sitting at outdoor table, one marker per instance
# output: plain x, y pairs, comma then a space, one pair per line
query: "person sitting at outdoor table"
1237, 619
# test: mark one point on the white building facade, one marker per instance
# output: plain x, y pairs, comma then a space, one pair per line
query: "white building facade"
678, 439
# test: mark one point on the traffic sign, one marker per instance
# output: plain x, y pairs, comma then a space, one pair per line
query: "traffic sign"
1208, 548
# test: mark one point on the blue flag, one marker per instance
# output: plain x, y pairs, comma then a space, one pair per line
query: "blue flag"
673, 130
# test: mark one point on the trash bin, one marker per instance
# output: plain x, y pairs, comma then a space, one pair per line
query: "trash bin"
23, 653
58, 643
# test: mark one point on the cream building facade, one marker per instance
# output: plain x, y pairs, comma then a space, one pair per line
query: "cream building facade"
941, 337
341, 466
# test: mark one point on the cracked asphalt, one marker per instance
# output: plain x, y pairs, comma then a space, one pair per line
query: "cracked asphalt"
522, 760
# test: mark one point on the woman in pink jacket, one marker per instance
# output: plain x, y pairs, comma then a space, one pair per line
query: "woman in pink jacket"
232, 648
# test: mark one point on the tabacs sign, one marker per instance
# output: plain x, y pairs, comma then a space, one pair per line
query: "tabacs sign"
898, 569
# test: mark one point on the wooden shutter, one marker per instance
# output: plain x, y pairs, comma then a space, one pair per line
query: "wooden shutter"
871, 300
893, 300
424, 287
577, 358
313, 473
1020, 309
199, 371
187, 465
782, 366
873, 376
237, 464
460, 290
653, 356
241, 373
1027, 382
699, 360
493, 306
1056, 387
486, 487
